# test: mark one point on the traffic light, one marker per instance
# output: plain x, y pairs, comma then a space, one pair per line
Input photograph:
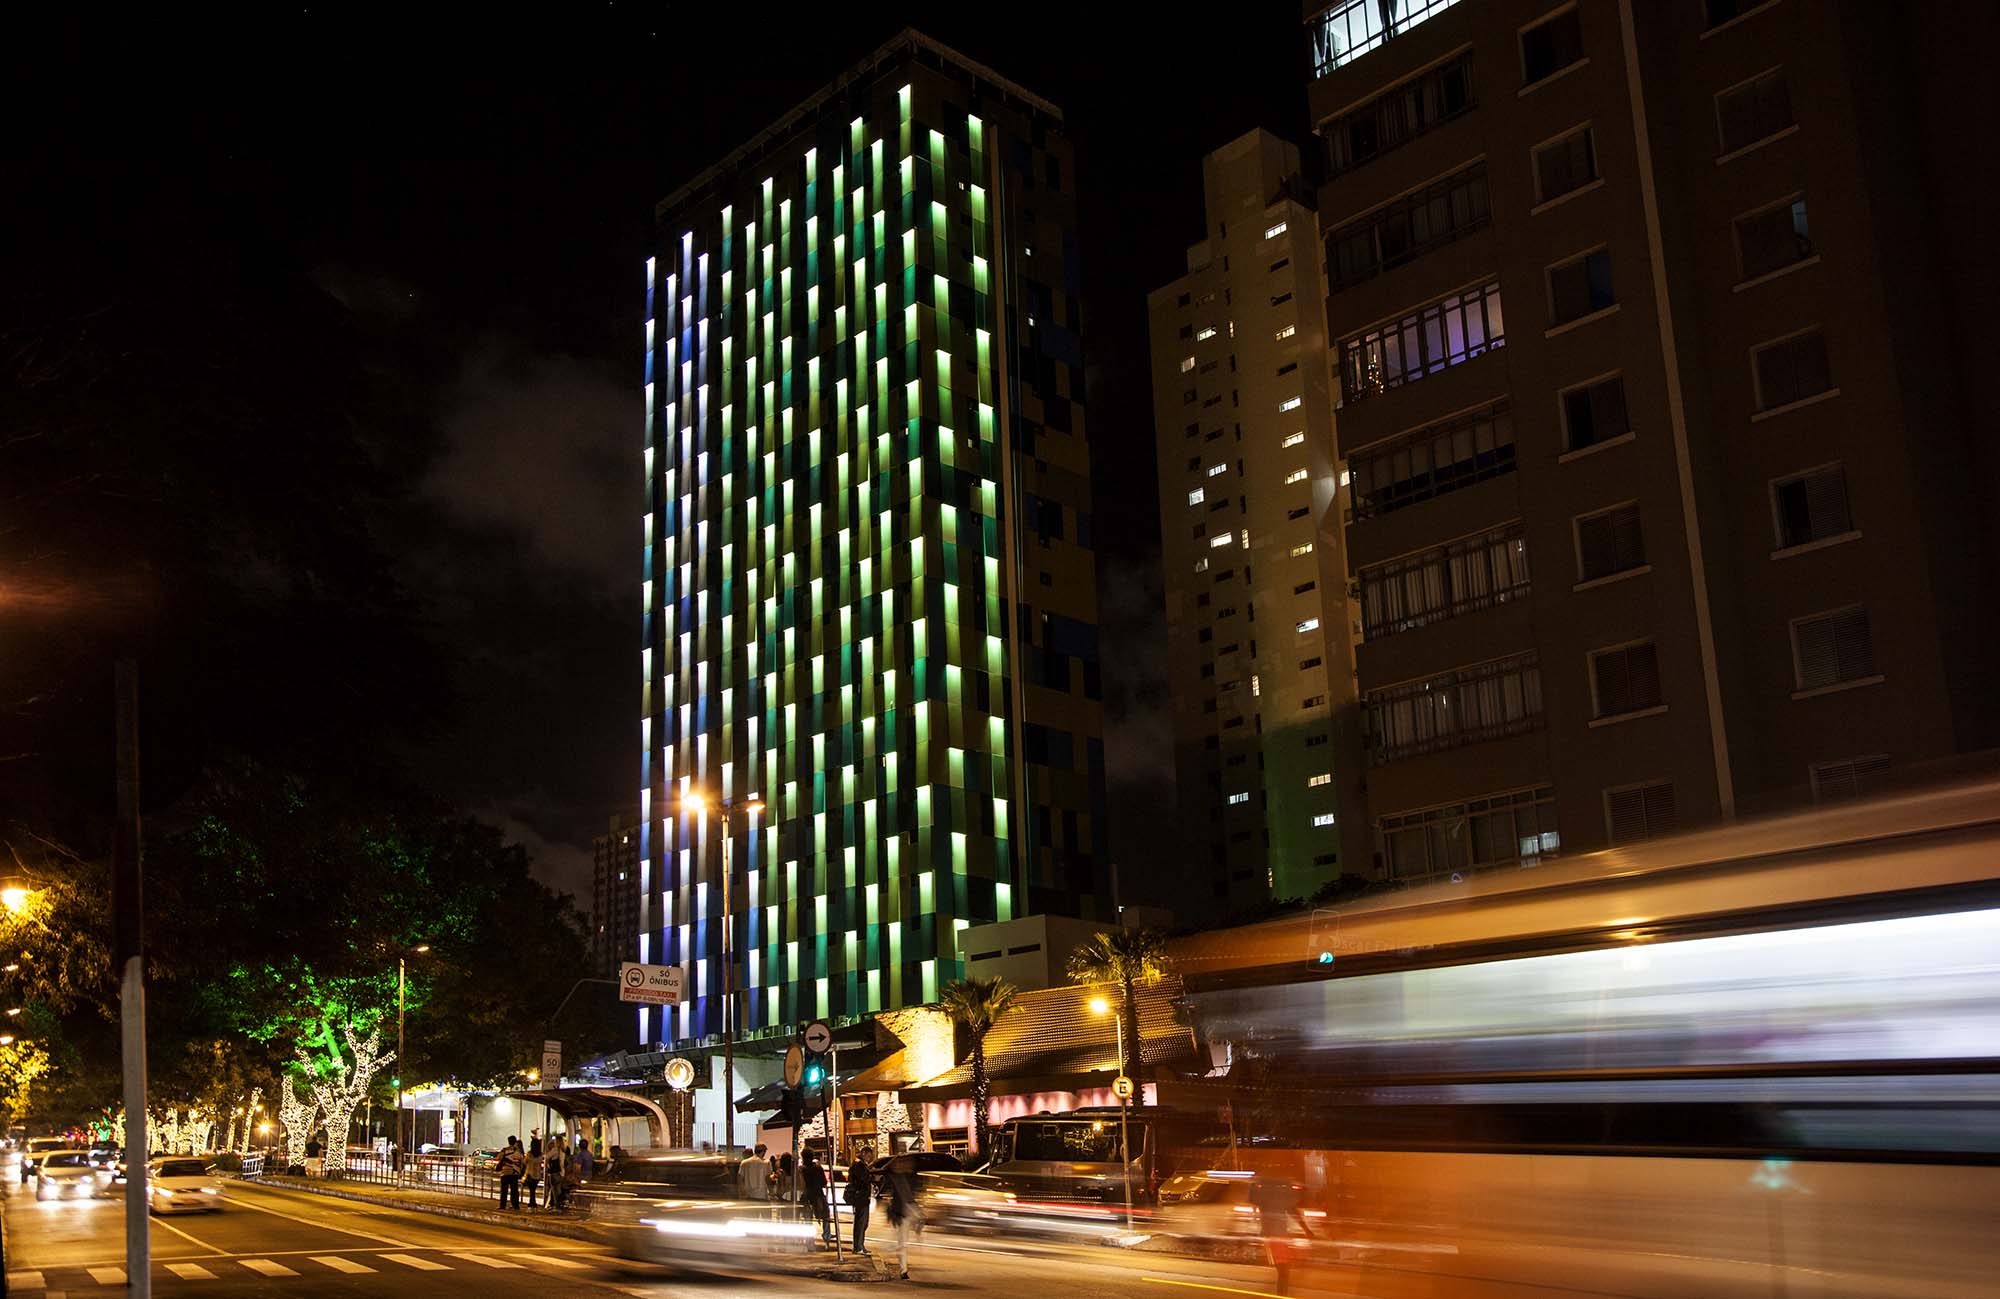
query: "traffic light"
815, 1074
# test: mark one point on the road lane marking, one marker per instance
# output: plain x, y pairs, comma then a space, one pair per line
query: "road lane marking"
323, 1226
482, 1260
1203, 1285
24, 1280
552, 1260
107, 1275
266, 1266
191, 1272
213, 1249
339, 1264
421, 1264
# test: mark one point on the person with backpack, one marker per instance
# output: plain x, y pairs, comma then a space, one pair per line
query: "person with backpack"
511, 1163
858, 1195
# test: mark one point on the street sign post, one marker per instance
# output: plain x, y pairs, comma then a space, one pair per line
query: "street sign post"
551, 1065
1121, 1087
655, 985
680, 1072
795, 1065
818, 1037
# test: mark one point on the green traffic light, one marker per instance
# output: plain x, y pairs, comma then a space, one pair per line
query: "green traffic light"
815, 1075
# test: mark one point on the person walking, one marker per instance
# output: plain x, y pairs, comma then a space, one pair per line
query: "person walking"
512, 1164
859, 1195
552, 1172
531, 1176
813, 1191
904, 1215
753, 1176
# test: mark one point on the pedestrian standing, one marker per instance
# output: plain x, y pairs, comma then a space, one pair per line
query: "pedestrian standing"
784, 1178
552, 1172
753, 1176
859, 1194
814, 1174
904, 1215
512, 1164
531, 1176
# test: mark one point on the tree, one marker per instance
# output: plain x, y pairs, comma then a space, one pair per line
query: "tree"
340, 1085
299, 1115
976, 1005
1128, 958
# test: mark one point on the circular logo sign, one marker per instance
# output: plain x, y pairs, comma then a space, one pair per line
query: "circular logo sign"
635, 977
679, 1073
1121, 1087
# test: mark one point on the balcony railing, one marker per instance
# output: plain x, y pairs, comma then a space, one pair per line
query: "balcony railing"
1344, 32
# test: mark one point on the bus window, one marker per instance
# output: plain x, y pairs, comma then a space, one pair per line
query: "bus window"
1074, 1141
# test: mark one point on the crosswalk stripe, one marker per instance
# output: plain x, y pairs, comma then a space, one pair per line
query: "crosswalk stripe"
191, 1271
24, 1281
421, 1264
266, 1266
107, 1275
339, 1264
552, 1261
483, 1260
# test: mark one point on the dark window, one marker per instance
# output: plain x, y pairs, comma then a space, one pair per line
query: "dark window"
1646, 812
1442, 458
1187, 397
1184, 299
1626, 680
1549, 47
1187, 331
1299, 513
1193, 429
1607, 543
1314, 741
1721, 11
1281, 263
1773, 239
1849, 777
1308, 663
1288, 367
1481, 702
1830, 648
1399, 115
1462, 577
1304, 587
1207, 634
1595, 412
1811, 506
1758, 108
1792, 369
1281, 299
1407, 228
1579, 287
1565, 165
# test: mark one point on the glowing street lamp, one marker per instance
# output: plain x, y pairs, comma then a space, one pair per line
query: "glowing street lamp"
1099, 1006
694, 801
14, 898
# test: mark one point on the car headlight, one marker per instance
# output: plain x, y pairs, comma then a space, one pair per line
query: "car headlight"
211, 1190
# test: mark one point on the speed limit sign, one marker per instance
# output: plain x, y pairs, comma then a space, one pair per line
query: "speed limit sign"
1121, 1087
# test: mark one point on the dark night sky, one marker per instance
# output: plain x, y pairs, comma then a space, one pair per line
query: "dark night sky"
478, 192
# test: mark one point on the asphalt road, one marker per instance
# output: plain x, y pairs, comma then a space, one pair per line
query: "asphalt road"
271, 1241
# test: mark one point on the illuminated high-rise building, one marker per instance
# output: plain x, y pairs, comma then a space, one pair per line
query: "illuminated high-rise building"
870, 598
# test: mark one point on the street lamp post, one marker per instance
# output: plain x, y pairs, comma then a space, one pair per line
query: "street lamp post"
1100, 1006
402, 1061
723, 808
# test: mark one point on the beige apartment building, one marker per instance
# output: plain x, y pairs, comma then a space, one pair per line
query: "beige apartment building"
1671, 490
1248, 496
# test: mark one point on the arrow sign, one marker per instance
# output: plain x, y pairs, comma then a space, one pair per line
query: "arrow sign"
795, 1065
656, 985
818, 1037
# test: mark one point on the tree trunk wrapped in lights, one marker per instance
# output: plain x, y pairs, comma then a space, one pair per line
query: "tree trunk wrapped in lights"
299, 1117
976, 1005
340, 1087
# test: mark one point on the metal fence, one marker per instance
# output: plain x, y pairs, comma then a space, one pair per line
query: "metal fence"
423, 1172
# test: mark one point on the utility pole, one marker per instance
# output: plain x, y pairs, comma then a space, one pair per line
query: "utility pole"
128, 952
728, 995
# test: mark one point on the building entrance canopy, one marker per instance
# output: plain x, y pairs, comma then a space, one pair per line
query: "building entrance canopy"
601, 1103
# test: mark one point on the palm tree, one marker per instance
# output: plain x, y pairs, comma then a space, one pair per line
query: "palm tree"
976, 1005
1128, 958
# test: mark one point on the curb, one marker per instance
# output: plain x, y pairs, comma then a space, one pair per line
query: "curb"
489, 1217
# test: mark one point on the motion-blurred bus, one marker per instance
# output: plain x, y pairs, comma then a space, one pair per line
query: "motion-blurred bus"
1760, 1060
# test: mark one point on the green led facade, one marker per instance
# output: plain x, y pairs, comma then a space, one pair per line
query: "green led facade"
849, 454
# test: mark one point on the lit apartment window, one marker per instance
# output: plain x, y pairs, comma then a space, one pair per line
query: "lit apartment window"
1848, 777
1272, 232
1293, 439
1290, 403
1580, 286
1309, 624
1753, 110
1791, 369
1323, 778
1498, 830
1442, 458
1407, 228
1811, 506
1205, 333
1256, 685
1296, 476
1241, 796
1187, 363
1610, 541
1216, 471
1217, 543
1773, 238
1303, 548
1831, 648
1398, 115
1287, 332
1443, 582
1465, 706
1594, 412
1565, 164
1639, 812
1427, 340
1322, 819
1197, 496
1551, 45
1348, 29
1625, 679
1201, 566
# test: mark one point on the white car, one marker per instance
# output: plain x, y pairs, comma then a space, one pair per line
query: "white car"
67, 1175
182, 1186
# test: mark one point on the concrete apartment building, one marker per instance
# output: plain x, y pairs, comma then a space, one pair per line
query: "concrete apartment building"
869, 584
1672, 493
1250, 539
614, 896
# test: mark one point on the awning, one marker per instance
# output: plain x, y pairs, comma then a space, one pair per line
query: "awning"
771, 1096
600, 1103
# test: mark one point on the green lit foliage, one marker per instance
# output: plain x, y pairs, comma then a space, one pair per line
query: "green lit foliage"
21, 1063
